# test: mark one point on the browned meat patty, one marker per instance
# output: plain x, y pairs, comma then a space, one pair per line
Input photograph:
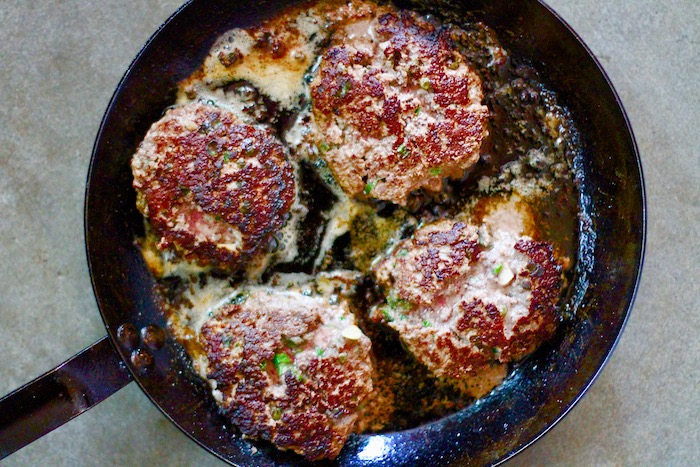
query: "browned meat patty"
465, 301
395, 107
213, 189
289, 368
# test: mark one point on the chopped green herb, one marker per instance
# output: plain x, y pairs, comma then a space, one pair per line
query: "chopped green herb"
226, 341
276, 413
328, 178
436, 171
387, 317
319, 352
403, 150
283, 362
397, 303
369, 187
227, 156
324, 147
426, 323
281, 358
497, 269
344, 89
426, 84
454, 64
402, 252
263, 365
184, 190
417, 111
342, 358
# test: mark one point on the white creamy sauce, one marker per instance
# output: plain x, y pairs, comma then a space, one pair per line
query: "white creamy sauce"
205, 300
280, 78
339, 221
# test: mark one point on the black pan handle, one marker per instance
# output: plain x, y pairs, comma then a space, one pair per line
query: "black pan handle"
56, 397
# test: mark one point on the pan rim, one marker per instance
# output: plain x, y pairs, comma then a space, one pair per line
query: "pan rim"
630, 299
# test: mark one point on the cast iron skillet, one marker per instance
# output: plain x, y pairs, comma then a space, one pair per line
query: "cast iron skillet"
540, 391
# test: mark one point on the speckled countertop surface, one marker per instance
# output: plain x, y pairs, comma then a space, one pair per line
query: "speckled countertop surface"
60, 61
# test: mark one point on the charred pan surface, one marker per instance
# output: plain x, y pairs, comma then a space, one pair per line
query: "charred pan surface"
213, 189
289, 368
396, 107
466, 301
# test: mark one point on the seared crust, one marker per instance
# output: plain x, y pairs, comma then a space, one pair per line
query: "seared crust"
212, 188
289, 369
396, 107
466, 302
425, 266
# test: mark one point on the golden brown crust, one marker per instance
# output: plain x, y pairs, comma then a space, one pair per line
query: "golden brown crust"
212, 188
457, 304
421, 269
286, 371
396, 107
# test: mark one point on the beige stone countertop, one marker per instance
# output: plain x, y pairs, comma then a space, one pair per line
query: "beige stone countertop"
60, 62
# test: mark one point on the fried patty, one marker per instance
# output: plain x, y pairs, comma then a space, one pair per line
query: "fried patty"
465, 301
395, 107
214, 189
289, 368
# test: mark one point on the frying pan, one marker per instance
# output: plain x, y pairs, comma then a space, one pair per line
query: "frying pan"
539, 392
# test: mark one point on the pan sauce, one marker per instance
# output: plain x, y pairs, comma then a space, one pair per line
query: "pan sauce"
523, 184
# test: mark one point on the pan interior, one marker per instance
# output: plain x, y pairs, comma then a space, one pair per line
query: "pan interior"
538, 393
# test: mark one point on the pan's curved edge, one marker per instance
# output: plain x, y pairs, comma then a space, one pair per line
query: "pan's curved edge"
86, 234
639, 260
100, 131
